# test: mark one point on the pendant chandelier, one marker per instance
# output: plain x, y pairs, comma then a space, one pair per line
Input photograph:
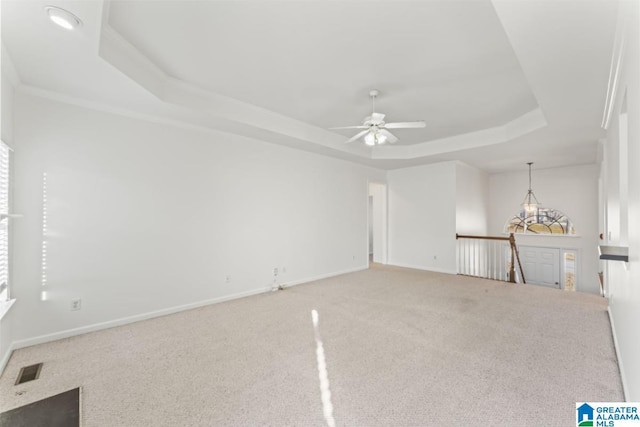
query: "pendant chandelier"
530, 203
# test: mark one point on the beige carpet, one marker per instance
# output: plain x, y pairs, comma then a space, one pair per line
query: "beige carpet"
401, 348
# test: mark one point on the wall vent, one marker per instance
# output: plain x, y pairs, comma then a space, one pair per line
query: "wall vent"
29, 373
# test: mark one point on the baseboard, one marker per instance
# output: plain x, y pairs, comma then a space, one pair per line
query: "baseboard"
130, 319
625, 391
163, 312
6, 357
423, 268
324, 276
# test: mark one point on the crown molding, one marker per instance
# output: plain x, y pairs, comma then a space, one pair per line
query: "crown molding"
218, 129
120, 53
111, 109
248, 119
520, 126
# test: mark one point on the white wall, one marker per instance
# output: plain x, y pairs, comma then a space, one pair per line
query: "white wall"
422, 217
571, 190
6, 132
6, 113
623, 279
144, 218
472, 200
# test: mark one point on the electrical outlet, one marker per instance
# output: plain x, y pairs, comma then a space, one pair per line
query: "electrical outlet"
275, 271
76, 304
227, 279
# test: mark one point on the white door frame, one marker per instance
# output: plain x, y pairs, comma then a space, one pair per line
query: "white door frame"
378, 221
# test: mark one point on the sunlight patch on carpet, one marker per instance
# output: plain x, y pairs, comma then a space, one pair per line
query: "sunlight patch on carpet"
323, 375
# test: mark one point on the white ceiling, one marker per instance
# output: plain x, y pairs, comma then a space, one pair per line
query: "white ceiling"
498, 83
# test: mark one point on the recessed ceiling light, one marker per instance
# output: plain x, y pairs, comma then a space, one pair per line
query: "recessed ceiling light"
63, 18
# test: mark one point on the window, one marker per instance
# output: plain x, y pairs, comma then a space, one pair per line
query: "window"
4, 222
569, 268
540, 221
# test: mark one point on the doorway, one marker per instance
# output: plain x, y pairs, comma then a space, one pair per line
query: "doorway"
541, 265
377, 223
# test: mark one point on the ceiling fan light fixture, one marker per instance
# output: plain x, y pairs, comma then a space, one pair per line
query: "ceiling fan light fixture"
370, 139
374, 138
374, 130
62, 17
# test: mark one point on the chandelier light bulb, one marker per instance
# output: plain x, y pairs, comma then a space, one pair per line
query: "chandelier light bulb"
530, 203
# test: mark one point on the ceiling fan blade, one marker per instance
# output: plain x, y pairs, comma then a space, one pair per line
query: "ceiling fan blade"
405, 125
352, 127
358, 135
376, 117
391, 138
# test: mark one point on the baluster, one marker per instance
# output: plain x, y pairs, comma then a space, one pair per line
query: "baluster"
485, 273
466, 260
473, 257
499, 257
464, 257
493, 260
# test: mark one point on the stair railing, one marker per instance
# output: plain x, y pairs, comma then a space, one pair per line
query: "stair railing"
488, 257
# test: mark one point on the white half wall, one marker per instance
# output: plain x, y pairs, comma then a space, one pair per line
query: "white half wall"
422, 217
143, 217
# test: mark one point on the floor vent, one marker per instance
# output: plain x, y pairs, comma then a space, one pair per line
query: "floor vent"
29, 373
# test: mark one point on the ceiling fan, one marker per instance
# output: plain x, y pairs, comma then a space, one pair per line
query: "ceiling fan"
376, 129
